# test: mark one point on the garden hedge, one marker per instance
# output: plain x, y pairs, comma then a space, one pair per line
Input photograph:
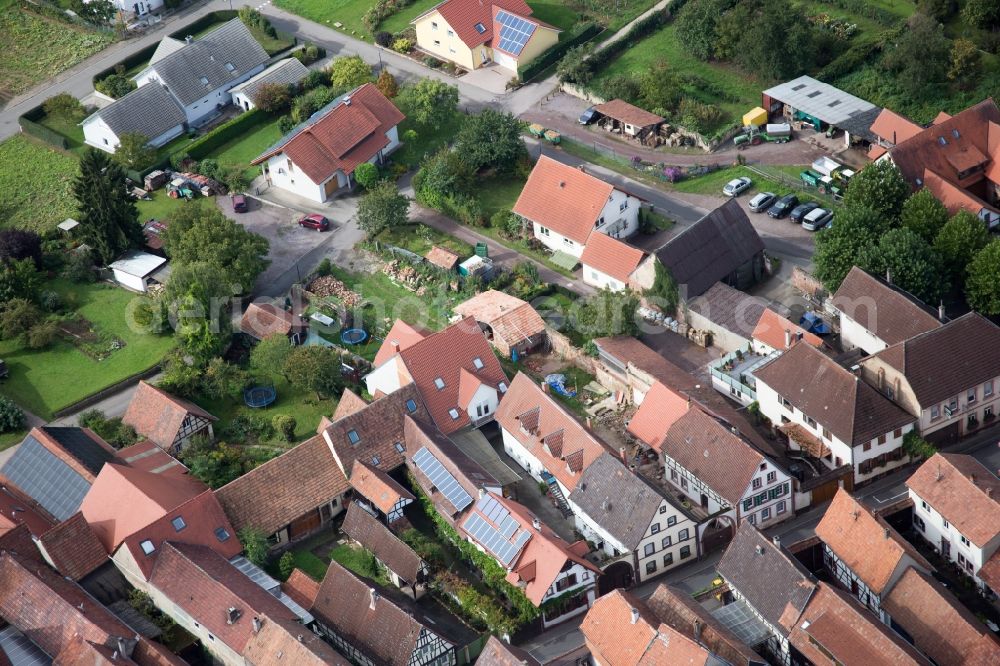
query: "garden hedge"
227, 131
28, 121
206, 21
555, 52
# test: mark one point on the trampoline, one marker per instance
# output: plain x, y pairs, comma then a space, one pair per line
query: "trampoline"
259, 396
353, 336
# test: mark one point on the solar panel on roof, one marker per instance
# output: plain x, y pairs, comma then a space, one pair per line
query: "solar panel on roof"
496, 539
46, 479
20, 649
514, 32
90, 454
442, 479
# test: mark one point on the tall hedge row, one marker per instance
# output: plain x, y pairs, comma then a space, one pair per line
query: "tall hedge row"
226, 132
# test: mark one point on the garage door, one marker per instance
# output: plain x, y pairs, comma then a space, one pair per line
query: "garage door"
505, 60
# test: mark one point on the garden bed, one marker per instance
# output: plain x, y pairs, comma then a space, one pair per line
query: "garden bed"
97, 345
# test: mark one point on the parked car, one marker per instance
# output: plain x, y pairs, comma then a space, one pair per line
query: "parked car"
800, 211
783, 206
588, 116
315, 221
737, 186
762, 202
239, 203
816, 219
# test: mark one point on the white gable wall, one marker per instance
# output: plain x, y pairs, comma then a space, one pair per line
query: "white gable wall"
283, 173
483, 404
385, 378
620, 217
206, 107
599, 279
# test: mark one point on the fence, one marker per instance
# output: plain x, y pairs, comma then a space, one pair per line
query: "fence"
29, 125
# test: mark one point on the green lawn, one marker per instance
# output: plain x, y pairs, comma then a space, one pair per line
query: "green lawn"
9, 439
419, 239
160, 207
497, 194
554, 13
309, 563
241, 150
68, 128
360, 561
295, 402
38, 47
400, 21
44, 381
712, 183
328, 12
391, 301
427, 142
35, 184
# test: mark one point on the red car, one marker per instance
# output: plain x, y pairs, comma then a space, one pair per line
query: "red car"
315, 221
239, 203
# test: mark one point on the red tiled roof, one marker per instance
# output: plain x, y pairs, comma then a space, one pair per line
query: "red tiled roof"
349, 403
834, 625
511, 318
463, 15
836, 398
294, 484
659, 410
73, 547
876, 151
158, 416
771, 328
611, 256
442, 258
53, 611
444, 355
377, 487
889, 313
952, 196
301, 587
940, 626
204, 524
940, 118
894, 128
547, 418
347, 135
707, 448
628, 113
16, 508
149, 457
399, 337
262, 320
498, 653
281, 642
204, 586
124, 500
865, 542
963, 491
563, 198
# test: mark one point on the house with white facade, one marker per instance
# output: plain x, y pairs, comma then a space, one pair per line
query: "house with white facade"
288, 72
536, 559
770, 586
632, 521
545, 440
199, 73
150, 111
948, 378
831, 414
874, 314
317, 159
454, 370
956, 508
862, 553
565, 204
717, 469
609, 263
140, 7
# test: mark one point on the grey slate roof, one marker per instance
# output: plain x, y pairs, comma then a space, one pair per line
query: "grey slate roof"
711, 249
769, 579
166, 46
618, 500
285, 71
207, 57
149, 110
829, 104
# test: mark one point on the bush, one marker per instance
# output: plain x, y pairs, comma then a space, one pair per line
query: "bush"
80, 267
42, 335
286, 124
309, 53
250, 426
366, 175
316, 78
65, 106
284, 425
325, 267
11, 416
383, 38
698, 116
115, 85
431, 61
286, 565
254, 545
50, 301
402, 45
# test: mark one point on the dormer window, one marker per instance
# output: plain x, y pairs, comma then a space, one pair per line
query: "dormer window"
478, 362
400, 447
453, 413
480, 28
353, 437
147, 547
439, 383
231, 67
178, 523
222, 534
411, 406
376, 461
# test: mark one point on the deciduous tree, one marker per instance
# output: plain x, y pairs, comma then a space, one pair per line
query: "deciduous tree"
982, 286
923, 214
65, 106
19, 279
383, 207
134, 151
273, 97
966, 62
607, 313
108, 216
200, 309
908, 260
837, 248
20, 244
270, 354
429, 102
386, 83
880, 187
959, 240
366, 175
349, 72
203, 234
116, 85
981, 13
314, 368
491, 139
919, 57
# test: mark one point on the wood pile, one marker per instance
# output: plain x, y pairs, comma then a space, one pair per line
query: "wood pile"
328, 285
403, 273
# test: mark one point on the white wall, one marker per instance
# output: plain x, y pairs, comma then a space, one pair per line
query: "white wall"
557, 242
133, 282
620, 217
96, 133
599, 279
241, 100
385, 378
484, 402
203, 108
855, 336
291, 178
527, 460
139, 8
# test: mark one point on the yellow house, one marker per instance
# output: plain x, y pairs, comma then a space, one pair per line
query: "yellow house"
473, 33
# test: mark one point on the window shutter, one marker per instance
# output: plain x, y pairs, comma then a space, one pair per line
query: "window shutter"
747, 504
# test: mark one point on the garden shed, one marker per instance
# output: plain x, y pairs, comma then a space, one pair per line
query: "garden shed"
135, 270
620, 117
822, 106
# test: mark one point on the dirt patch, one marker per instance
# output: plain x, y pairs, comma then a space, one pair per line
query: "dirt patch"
97, 345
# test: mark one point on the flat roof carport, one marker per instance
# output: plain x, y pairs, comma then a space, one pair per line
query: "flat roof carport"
831, 105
